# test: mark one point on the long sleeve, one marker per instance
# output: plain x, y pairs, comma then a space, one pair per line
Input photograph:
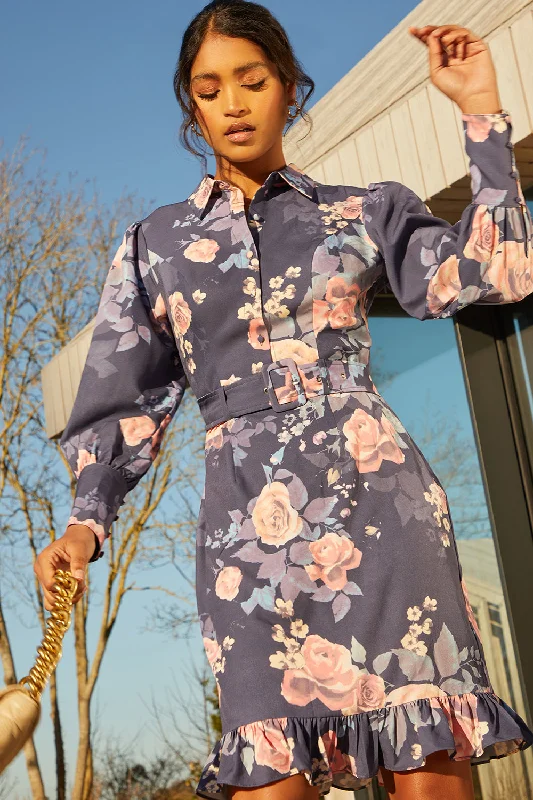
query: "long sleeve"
435, 268
131, 386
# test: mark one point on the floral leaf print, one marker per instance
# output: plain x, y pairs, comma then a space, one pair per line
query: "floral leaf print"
340, 606
247, 758
250, 552
381, 662
396, 726
358, 652
260, 596
415, 667
351, 588
300, 553
273, 566
446, 653
324, 594
294, 581
319, 509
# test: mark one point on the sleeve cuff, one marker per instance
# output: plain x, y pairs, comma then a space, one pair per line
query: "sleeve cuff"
100, 492
495, 179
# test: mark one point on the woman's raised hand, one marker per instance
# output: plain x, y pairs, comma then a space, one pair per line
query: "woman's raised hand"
461, 66
72, 553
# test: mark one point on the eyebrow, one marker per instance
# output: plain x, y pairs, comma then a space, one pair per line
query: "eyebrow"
236, 71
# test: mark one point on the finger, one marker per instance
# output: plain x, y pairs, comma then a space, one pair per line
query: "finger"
460, 34
49, 598
47, 563
436, 53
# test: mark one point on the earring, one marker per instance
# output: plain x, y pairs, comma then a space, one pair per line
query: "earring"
297, 111
195, 129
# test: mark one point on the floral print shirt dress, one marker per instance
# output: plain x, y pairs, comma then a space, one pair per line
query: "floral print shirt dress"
330, 595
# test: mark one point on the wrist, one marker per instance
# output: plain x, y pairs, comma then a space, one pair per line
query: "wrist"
481, 104
87, 535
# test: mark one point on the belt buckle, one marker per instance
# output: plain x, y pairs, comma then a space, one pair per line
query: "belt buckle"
291, 364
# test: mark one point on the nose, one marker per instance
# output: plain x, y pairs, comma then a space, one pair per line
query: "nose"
234, 102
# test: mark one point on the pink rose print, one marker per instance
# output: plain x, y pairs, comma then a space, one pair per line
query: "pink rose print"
203, 250
371, 442
258, 335
228, 582
159, 317
333, 555
119, 255
301, 352
351, 207
343, 314
444, 286
466, 728
181, 312
90, 523
414, 691
158, 436
485, 236
477, 127
236, 199
339, 289
213, 650
470, 611
327, 675
338, 309
272, 747
509, 271
276, 521
370, 692
84, 458
136, 429
321, 311
337, 760
214, 436
204, 190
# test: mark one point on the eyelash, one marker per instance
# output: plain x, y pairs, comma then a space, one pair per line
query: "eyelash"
248, 86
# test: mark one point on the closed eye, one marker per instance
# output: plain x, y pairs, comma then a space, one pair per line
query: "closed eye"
253, 86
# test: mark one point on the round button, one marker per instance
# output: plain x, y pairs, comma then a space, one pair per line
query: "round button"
254, 262
249, 254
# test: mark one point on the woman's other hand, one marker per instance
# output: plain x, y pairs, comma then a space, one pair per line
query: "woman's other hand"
71, 553
461, 66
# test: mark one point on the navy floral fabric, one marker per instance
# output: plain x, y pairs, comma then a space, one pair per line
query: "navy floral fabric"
330, 594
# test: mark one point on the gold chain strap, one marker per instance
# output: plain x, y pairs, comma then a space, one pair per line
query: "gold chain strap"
57, 624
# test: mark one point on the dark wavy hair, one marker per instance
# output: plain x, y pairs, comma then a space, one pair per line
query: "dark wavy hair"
245, 20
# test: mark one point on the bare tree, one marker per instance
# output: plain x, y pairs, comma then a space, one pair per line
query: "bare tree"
189, 725
55, 249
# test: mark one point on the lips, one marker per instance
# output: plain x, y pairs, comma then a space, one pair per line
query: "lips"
238, 128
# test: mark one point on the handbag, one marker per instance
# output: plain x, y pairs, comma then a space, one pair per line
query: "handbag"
20, 703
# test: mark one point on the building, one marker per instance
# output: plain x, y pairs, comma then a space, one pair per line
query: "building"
384, 120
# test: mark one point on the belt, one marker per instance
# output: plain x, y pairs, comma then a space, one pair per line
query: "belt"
282, 385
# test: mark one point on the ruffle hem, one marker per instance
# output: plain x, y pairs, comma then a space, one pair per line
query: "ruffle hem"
346, 751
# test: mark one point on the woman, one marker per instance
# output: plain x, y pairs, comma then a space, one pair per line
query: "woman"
329, 589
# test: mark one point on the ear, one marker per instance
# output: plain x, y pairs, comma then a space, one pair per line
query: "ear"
290, 88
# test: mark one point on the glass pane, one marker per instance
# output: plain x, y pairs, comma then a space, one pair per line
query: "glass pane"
521, 354
416, 368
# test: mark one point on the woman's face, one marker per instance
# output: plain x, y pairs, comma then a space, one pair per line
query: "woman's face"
233, 81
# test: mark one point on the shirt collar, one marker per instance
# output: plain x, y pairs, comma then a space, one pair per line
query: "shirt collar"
294, 176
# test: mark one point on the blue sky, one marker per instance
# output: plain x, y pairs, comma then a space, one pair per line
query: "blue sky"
92, 86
